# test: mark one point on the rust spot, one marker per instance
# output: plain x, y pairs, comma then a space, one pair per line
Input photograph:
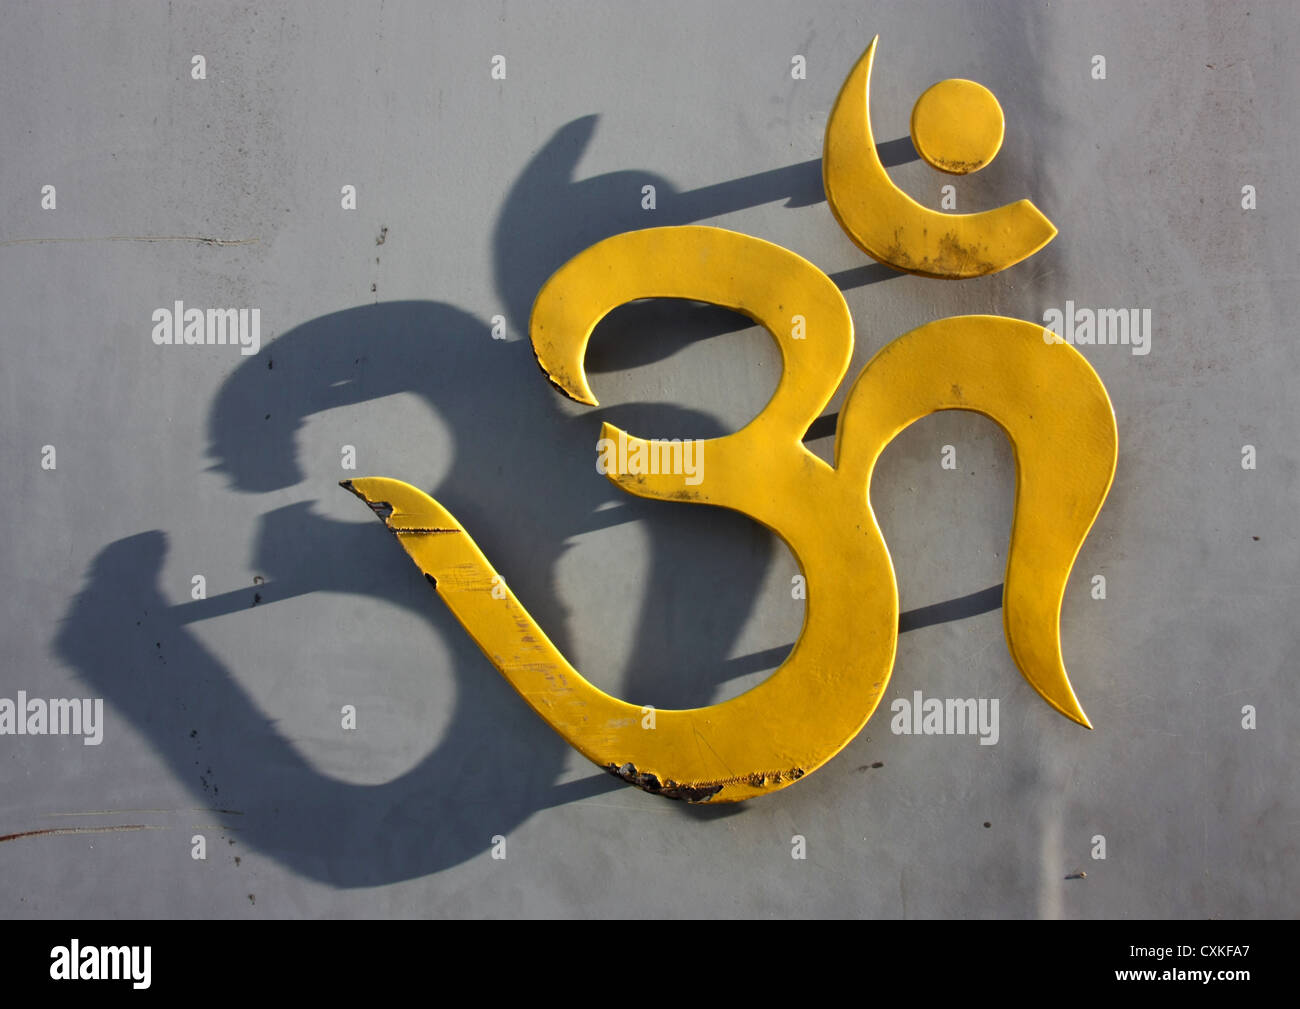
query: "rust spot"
699, 791
557, 382
954, 258
668, 788
955, 167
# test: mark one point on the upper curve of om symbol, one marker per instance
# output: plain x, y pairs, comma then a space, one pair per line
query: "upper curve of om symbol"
1044, 395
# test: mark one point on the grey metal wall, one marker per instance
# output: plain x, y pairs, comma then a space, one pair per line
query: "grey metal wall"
222, 716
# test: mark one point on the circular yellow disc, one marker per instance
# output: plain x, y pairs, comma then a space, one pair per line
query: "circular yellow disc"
957, 126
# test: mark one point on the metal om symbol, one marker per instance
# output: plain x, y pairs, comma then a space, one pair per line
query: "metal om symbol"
1044, 395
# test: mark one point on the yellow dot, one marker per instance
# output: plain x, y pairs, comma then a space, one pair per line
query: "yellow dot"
957, 126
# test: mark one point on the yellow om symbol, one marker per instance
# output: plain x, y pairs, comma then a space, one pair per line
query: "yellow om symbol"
1044, 395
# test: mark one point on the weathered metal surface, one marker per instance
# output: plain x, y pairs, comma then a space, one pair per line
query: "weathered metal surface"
889, 225
1045, 396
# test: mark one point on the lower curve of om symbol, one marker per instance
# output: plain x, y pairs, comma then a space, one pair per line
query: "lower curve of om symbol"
1043, 394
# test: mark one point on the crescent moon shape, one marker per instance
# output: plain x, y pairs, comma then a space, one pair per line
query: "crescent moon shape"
890, 226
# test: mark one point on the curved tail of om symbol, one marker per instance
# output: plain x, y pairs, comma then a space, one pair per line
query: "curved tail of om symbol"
1045, 396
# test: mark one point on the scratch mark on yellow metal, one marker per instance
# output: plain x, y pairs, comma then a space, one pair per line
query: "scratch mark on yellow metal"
887, 224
